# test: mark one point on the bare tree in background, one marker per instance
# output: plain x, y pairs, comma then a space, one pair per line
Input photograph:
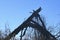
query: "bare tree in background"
6, 32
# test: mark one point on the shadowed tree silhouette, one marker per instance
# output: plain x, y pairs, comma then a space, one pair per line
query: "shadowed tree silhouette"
34, 24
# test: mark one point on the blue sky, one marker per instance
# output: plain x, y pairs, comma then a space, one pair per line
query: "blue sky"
14, 12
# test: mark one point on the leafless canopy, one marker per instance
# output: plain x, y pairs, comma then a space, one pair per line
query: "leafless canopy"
31, 23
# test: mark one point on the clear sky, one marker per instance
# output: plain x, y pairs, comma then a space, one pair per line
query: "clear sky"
14, 12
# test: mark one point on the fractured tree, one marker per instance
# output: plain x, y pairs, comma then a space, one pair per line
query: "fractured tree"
30, 23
